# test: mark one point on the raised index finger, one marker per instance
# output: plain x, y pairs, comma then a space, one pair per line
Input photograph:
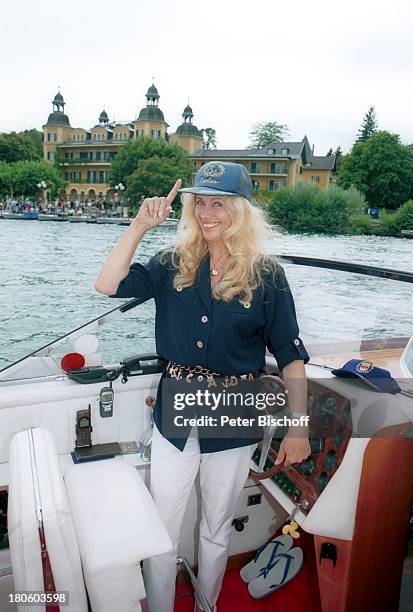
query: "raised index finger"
171, 195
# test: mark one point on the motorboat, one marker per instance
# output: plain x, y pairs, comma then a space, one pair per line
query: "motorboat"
76, 516
30, 214
107, 220
53, 217
10, 215
78, 218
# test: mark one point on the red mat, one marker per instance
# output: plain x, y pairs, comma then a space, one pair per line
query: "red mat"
299, 595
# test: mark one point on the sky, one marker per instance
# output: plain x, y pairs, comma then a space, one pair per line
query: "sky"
315, 65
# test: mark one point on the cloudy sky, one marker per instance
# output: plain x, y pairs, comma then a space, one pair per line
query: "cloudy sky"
316, 66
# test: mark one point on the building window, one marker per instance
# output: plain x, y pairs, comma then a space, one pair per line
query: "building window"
256, 185
255, 167
276, 184
315, 179
156, 133
67, 176
284, 151
50, 155
68, 155
52, 137
270, 151
139, 133
98, 155
281, 168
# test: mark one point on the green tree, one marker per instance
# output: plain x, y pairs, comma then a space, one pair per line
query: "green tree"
209, 138
381, 168
265, 133
15, 147
36, 138
306, 208
139, 158
22, 178
368, 127
338, 154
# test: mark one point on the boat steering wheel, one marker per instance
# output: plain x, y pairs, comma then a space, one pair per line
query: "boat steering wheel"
266, 466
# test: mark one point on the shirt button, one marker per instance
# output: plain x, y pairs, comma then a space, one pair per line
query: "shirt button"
204, 319
247, 305
200, 344
296, 342
179, 287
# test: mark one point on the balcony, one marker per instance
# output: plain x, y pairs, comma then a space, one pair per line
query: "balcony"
82, 162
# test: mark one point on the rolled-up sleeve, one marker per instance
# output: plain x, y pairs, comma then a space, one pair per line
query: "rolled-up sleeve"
281, 331
140, 281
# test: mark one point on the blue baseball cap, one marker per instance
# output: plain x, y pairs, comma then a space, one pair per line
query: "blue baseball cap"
378, 378
221, 178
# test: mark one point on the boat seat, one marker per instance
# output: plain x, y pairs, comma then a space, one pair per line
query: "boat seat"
99, 517
118, 525
35, 480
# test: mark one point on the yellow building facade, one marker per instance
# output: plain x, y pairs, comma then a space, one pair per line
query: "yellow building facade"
85, 155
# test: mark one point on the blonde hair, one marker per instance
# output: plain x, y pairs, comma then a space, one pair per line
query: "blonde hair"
243, 239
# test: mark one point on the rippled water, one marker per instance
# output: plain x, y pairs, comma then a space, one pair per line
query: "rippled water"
47, 274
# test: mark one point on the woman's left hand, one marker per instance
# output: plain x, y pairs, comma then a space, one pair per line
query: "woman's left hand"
294, 448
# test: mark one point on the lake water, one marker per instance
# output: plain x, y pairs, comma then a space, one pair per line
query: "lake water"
47, 274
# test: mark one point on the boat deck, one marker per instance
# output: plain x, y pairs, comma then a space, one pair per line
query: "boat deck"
299, 595
382, 353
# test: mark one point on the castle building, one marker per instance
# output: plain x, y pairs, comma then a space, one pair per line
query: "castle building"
85, 155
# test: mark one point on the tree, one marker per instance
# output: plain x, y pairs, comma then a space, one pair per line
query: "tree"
22, 178
36, 137
149, 167
15, 147
265, 133
381, 168
338, 154
368, 127
209, 136
307, 208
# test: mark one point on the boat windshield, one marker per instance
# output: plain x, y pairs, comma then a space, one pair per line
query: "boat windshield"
341, 315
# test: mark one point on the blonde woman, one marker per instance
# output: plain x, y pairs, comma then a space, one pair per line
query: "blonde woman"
220, 303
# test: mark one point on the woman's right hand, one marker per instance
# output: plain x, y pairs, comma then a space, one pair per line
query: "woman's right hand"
154, 211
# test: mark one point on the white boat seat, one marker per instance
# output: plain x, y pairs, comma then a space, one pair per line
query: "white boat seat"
117, 525
34, 464
104, 521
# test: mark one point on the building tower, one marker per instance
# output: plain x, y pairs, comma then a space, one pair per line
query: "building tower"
103, 118
57, 128
151, 121
187, 134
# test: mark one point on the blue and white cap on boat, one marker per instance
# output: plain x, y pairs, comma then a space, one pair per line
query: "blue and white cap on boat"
221, 178
378, 378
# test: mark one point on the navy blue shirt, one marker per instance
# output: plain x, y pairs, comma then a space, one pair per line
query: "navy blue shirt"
193, 329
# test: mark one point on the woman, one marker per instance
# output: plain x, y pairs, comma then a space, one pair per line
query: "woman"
219, 304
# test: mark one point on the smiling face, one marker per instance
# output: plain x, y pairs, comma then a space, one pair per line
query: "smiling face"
211, 216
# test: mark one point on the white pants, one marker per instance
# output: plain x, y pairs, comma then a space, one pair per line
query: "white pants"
222, 478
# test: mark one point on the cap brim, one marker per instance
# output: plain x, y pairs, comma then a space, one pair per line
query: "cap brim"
347, 374
207, 191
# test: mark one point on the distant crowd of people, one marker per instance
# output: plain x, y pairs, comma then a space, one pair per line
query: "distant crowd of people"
92, 208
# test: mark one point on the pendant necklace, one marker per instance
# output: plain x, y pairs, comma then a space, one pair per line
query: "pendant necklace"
214, 270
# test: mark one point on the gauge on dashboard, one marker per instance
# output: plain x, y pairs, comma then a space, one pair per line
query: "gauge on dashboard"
330, 459
325, 411
317, 445
307, 466
322, 480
